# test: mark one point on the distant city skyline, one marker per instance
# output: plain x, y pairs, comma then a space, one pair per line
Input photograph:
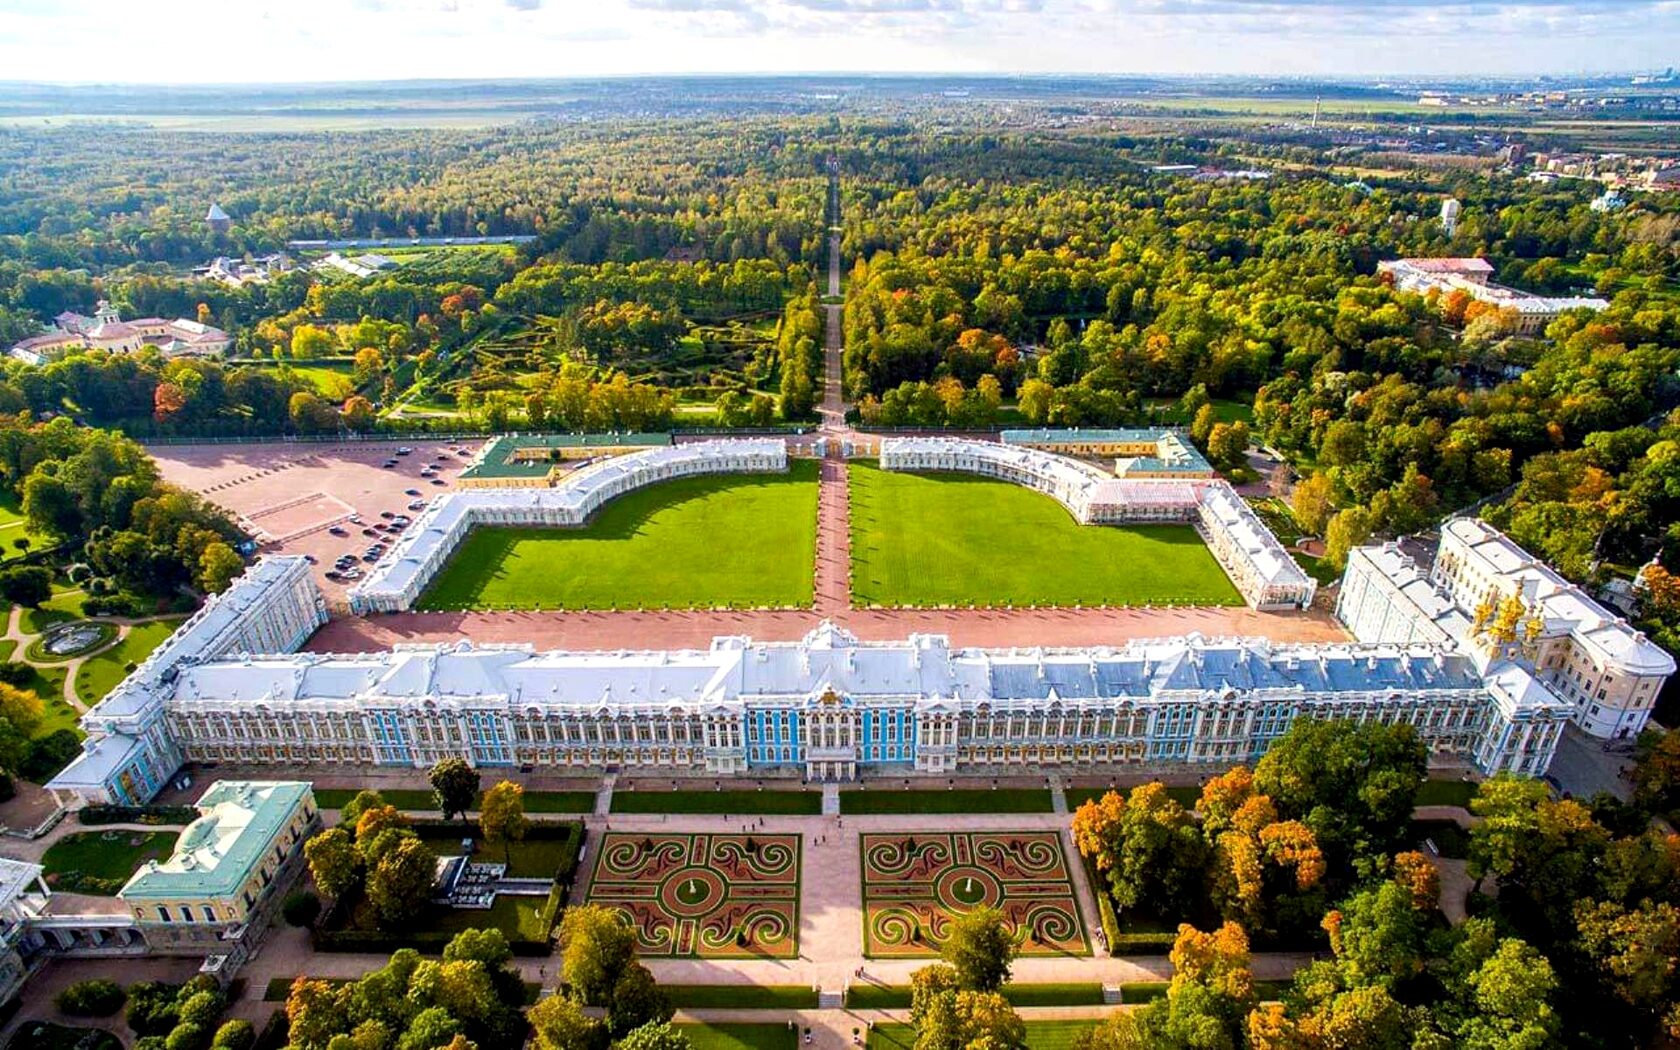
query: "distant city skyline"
270, 41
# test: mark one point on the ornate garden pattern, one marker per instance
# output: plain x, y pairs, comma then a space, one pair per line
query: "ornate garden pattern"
915, 883
703, 896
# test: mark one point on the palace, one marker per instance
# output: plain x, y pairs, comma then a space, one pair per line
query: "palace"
1490, 598
1470, 276
826, 707
106, 331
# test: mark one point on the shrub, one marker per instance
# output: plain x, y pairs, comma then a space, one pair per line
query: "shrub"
95, 998
151, 1007
237, 1034
95, 815
18, 674
202, 1009
7, 790
186, 1037
301, 908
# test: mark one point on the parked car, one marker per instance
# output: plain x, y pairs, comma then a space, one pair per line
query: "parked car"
369, 532
405, 450
388, 464
334, 575
338, 530
387, 515
418, 504
438, 481
411, 492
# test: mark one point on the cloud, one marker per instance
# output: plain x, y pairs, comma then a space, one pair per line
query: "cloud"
525, 5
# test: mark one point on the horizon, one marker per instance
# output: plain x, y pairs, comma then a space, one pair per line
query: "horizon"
62, 43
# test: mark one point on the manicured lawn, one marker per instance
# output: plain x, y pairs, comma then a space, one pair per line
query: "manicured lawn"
767, 803
1143, 991
1446, 793
520, 918
13, 527
1452, 841
63, 605
101, 674
1185, 795
897, 997
534, 858
970, 800
1041, 1035
740, 1036
955, 539
741, 996
103, 856
746, 540
421, 799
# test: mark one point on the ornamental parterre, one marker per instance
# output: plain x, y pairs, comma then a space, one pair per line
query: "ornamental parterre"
916, 883
703, 896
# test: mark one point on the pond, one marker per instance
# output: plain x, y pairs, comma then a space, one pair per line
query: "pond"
72, 638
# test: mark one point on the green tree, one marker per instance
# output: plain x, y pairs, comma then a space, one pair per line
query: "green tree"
980, 948
1349, 528
597, 945
655, 1035
27, 585
360, 803
560, 1024
454, 787
636, 1001
501, 816
400, 884
1313, 502
218, 567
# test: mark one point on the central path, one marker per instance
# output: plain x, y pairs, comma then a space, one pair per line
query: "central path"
834, 540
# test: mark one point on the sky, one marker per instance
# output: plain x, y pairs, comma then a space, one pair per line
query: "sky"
215, 41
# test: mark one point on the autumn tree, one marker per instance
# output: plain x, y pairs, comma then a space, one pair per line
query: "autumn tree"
333, 861
455, 786
1313, 501
400, 883
501, 816
1146, 843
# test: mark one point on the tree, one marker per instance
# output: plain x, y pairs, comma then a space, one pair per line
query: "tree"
655, 1035
501, 816
358, 413
400, 884
1313, 502
597, 945
955, 1020
454, 787
1207, 1003
1414, 874
1656, 772
980, 948
1147, 844
488, 947
561, 1024
27, 585
372, 824
237, 1034
636, 1001
360, 803
218, 567
21, 708
1349, 528
1227, 445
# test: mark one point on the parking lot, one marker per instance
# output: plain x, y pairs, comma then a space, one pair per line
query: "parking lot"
325, 501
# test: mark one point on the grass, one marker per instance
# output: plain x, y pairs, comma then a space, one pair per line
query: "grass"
1446, 793
954, 539
770, 803
1041, 1035
520, 918
971, 800
1143, 991
741, 540
740, 1036
101, 674
13, 526
897, 996
1224, 411
1185, 795
62, 606
529, 859
741, 996
43, 1035
420, 799
89, 855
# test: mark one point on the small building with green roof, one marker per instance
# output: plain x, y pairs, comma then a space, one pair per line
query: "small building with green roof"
219, 889
541, 460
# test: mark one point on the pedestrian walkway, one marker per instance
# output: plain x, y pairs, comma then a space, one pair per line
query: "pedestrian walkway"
604, 796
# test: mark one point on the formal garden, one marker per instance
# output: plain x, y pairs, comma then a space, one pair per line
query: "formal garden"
703, 896
101, 862
915, 885
954, 539
711, 541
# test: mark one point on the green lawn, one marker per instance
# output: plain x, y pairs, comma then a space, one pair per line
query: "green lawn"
101, 861
773, 803
740, 1036
519, 918
65, 604
530, 859
955, 539
745, 540
100, 674
1185, 795
13, 527
55, 713
741, 996
1446, 793
420, 799
1041, 1035
897, 997
960, 800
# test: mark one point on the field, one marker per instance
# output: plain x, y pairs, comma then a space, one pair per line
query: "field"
703, 896
740, 1036
745, 540
1041, 1035
914, 884
953, 539
13, 528
959, 800
758, 803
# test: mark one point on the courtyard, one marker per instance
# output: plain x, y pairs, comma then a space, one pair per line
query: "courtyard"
711, 541
915, 883
920, 540
703, 896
